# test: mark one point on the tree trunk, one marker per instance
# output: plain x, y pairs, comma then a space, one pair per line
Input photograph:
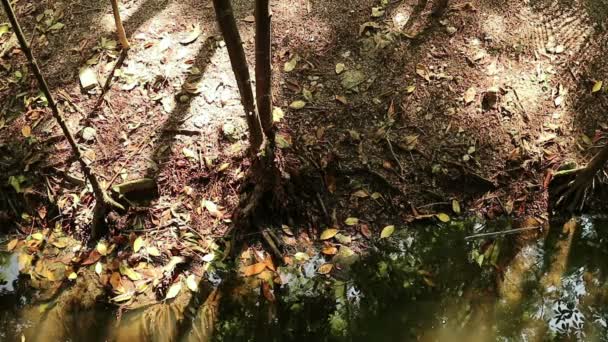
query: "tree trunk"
102, 200
263, 68
230, 32
120, 30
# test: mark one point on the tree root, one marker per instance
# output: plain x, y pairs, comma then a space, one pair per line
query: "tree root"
573, 194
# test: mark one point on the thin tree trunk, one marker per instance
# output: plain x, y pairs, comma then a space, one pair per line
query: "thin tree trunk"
120, 30
102, 200
227, 24
263, 68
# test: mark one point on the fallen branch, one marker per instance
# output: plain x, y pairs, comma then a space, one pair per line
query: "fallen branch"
501, 233
102, 201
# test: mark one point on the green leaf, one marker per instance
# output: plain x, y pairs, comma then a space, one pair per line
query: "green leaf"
351, 221
127, 271
301, 256
387, 231
597, 86
56, 26
3, 29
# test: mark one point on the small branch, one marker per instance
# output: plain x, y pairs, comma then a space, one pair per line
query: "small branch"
390, 147
501, 233
120, 30
106, 86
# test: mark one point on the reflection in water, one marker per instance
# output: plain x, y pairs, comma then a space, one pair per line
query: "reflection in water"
425, 283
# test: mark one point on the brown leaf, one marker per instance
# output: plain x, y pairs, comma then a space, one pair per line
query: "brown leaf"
267, 291
254, 269
325, 268
365, 231
329, 250
116, 281
93, 257
268, 262
469, 95
12, 244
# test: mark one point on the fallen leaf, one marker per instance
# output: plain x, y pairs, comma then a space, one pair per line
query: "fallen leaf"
267, 291
249, 19
191, 36
277, 114
12, 244
26, 131
254, 269
38, 236
456, 207
191, 283
340, 67
122, 297
129, 272
72, 276
138, 244
174, 290
102, 248
351, 221
423, 71
329, 233
387, 231
597, 86
153, 251
291, 64
213, 209
98, 268
443, 217
329, 250
325, 268
469, 95
365, 231
410, 89
377, 12
301, 256
88, 78
189, 153
361, 194
298, 104
92, 258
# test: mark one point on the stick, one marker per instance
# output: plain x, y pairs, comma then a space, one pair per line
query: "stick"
263, 69
101, 203
501, 233
120, 30
106, 86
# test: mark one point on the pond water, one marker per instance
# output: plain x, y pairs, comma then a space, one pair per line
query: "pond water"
426, 283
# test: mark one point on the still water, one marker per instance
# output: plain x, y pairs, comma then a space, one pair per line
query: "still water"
424, 283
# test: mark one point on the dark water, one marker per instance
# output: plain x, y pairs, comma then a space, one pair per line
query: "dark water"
423, 284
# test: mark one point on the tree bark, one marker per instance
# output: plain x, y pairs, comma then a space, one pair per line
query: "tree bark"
230, 32
120, 30
101, 199
263, 67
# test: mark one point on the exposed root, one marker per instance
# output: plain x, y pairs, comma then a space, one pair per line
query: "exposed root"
573, 194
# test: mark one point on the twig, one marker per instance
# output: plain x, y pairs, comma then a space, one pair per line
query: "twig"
122, 166
501, 233
390, 147
106, 86
520, 104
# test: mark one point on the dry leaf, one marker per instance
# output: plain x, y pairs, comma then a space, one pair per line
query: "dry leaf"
597, 86
423, 71
26, 131
456, 207
469, 95
325, 268
351, 221
191, 283
254, 269
174, 290
12, 244
365, 231
298, 104
267, 291
102, 248
138, 244
329, 250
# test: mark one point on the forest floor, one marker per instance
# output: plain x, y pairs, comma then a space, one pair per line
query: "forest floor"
386, 114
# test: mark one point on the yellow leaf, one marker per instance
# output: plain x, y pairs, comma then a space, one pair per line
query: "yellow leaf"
291, 64
443, 217
254, 269
129, 272
12, 244
72, 276
174, 290
329, 233
191, 283
189, 153
138, 244
456, 207
351, 221
213, 209
277, 114
223, 167
597, 86
26, 131
102, 248
37, 236
410, 89
387, 231
376, 195
325, 268
331, 250
298, 104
